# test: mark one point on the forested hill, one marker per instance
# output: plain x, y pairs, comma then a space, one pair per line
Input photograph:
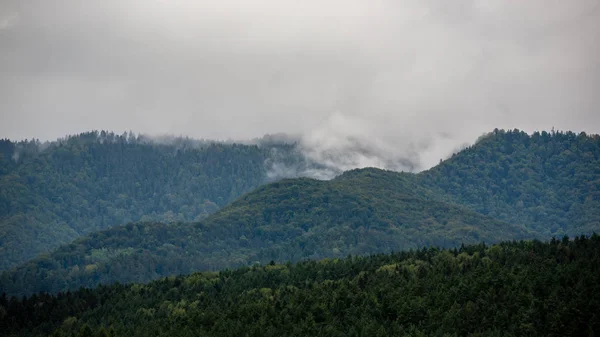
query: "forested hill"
549, 182
509, 289
55, 192
508, 185
361, 212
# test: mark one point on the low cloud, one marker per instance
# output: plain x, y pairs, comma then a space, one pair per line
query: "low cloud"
398, 84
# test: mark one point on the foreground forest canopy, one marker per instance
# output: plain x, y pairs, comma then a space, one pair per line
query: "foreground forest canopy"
507, 186
526, 288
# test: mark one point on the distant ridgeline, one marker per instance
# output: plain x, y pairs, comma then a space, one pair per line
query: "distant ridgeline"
526, 288
508, 186
53, 193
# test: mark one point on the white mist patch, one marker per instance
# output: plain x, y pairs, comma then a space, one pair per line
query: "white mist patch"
279, 170
344, 142
9, 20
15, 156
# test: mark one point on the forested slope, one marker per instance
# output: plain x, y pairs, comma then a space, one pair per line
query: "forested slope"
509, 289
549, 182
53, 193
508, 185
361, 212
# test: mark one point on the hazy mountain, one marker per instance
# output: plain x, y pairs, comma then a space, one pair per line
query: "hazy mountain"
361, 212
549, 182
509, 185
53, 193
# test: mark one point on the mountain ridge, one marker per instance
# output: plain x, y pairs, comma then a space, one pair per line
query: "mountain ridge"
479, 190
288, 220
56, 192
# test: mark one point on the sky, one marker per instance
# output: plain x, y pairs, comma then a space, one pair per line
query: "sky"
397, 84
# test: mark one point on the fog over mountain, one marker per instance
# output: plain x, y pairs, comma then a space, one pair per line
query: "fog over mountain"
395, 84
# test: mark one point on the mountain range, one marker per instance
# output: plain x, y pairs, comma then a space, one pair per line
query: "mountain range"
53, 193
509, 185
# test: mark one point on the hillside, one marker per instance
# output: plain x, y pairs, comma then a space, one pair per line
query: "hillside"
509, 289
508, 185
53, 193
549, 182
361, 212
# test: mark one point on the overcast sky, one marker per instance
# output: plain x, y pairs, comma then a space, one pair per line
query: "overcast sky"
403, 78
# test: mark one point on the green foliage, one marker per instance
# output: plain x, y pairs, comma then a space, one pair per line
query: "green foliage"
526, 288
361, 212
549, 182
55, 192
509, 185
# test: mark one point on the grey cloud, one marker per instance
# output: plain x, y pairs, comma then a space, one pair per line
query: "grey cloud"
395, 84
9, 20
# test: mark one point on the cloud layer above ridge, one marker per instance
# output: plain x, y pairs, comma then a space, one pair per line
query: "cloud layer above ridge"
397, 84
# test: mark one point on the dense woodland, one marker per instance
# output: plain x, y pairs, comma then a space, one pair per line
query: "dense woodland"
526, 288
53, 193
509, 185
361, 212
549, 182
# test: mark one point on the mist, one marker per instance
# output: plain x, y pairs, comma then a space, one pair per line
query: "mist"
392, 84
